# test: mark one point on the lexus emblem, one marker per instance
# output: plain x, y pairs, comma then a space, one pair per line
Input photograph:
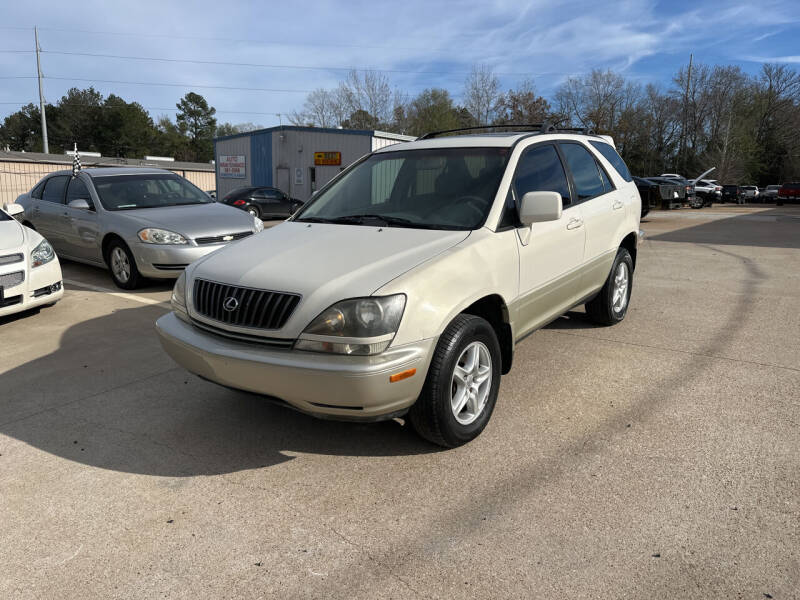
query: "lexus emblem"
230, 304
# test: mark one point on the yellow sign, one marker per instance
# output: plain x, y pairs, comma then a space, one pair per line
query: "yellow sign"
328, 158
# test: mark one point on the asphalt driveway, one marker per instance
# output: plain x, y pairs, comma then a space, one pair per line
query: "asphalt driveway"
656, 459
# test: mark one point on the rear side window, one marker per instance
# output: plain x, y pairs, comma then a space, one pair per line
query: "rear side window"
54, 189
615, 159
77, 191
37, 191
540, 170
585, 171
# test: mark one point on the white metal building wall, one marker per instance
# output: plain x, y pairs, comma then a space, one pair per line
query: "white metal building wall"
238, 146
292, 150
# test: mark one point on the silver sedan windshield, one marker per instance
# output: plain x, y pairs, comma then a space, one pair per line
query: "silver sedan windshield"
152, 190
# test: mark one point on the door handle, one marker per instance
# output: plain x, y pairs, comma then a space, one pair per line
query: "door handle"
574, 223
617, 204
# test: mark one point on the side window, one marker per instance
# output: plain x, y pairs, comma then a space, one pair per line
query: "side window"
585, 173
54, 190
510, 216
540, 170
615, 159
76, 190
37, 191
607, 185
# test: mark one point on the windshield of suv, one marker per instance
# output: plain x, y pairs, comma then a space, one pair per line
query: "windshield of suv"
439, 188
148, 190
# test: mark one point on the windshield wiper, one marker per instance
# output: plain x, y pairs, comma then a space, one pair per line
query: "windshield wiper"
387, 220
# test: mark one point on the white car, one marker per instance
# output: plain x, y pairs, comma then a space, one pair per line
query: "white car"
404, 285
750, 192
30, 274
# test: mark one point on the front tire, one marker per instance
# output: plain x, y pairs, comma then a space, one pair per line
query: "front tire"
610, 305
122, 265
462, 384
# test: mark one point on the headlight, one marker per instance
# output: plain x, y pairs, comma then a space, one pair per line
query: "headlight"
42, 254
161, 236
359, 326
178, 299
259, 224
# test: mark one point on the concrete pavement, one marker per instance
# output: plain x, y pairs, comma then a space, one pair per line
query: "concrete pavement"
656, 459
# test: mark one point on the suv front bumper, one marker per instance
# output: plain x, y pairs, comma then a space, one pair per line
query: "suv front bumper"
328, 385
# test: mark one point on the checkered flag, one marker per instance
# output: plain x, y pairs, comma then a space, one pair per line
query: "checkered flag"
76, 162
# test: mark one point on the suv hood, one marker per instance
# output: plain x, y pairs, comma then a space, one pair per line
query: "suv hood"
192, 221
324, 263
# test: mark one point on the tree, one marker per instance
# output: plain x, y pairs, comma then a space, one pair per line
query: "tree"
231, 129
433, 110
22, 130
125, 129
321, 109
195, 119
522, 106
482, 94
75, 119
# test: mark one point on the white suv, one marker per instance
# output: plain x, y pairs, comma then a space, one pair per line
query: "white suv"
404, 285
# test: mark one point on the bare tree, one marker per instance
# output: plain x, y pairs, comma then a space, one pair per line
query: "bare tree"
482, 94
596, 100
367, 91
522, 106
321, 109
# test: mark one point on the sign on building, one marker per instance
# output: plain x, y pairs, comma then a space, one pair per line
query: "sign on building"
298, 176
232, 166
328, 158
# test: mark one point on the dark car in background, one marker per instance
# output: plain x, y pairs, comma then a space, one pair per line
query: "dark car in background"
649, 193
671, 193
789, 192
732, 193
263, 202
691, 196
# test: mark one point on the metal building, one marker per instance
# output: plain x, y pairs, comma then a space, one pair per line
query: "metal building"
297, 160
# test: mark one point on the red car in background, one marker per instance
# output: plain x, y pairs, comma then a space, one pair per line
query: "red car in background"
789, 191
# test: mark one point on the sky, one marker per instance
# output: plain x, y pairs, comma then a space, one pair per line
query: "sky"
276, 52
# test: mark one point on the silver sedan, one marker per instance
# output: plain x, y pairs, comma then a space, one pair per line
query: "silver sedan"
137, 222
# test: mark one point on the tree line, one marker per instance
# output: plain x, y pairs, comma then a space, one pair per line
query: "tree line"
114, 127
709, 115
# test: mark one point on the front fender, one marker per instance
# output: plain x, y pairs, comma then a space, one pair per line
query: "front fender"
486, 263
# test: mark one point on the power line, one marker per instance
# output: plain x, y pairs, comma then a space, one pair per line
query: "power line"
182, 85
425, 49
269, 66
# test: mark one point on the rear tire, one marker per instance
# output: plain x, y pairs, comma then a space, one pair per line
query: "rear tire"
462, 384
253, 210
610, 305
122, 265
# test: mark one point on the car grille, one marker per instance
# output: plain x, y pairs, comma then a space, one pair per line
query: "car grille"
244, 337
9, 280
10, 259
248, 307
226, 237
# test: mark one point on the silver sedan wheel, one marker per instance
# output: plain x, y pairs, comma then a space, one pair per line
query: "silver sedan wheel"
471, 383
120, 265
619, 298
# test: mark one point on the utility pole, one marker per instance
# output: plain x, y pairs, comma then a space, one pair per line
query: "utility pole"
41, 93
685, 114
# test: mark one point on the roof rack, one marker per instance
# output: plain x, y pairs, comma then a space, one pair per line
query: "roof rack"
545, 127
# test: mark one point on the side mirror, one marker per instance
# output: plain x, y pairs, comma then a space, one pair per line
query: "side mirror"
80, 203
538, 207
14, 209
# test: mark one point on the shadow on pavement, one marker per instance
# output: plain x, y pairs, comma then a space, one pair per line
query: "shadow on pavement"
109, 397
776, 228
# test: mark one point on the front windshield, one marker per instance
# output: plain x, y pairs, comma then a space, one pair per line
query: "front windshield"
441, 188
148, 190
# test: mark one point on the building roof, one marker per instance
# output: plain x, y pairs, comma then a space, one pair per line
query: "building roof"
368, 132
104, 161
